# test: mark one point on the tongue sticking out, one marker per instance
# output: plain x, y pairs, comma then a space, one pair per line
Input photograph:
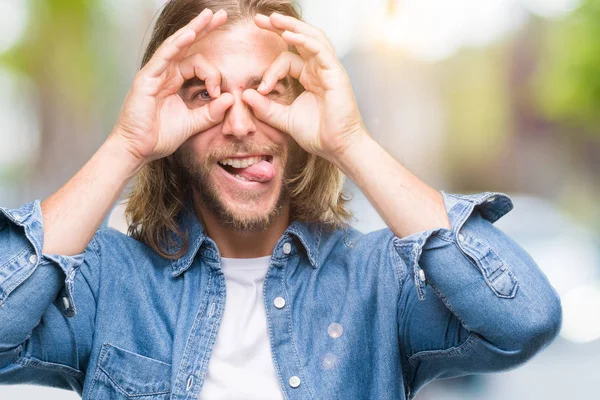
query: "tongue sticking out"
262, 171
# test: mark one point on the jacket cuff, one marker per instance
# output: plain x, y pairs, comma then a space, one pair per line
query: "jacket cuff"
23, 250
491, 205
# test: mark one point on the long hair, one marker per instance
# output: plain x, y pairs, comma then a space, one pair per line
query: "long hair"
159, 192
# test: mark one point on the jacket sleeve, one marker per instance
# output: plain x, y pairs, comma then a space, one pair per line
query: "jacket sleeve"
47, 305
473, 300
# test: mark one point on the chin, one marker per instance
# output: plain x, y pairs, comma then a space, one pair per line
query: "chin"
246, 210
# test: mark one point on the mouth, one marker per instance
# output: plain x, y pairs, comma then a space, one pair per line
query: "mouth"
257, 168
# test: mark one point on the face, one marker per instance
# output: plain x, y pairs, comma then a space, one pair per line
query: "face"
238, 167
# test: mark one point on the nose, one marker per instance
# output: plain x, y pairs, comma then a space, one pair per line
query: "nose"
239, 120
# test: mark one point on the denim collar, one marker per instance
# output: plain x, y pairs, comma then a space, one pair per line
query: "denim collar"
307, 234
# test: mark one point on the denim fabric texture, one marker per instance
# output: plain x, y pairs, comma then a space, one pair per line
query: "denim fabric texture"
366, 316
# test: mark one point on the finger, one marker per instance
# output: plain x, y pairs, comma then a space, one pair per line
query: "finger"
210, 114
264, 22
272, 113
218, 19
196, 65
311, 47
175, 46
177, 43
287, 23
285, 64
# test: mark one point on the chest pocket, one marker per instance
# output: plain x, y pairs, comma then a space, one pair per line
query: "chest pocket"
122, 374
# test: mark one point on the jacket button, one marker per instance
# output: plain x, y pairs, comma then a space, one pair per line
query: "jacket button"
279, 302
33, 259
65, 302
461, 237
422, 275
294, 381
287, 248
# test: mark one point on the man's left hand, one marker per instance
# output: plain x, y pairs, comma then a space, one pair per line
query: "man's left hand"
324, 120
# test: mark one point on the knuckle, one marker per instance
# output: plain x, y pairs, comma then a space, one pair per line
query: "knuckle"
139, 80
197, 58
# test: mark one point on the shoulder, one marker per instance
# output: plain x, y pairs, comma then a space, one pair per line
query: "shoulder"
113, 249
347, 237
372, 251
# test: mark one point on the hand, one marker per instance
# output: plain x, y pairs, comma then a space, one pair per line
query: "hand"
154, 120
324, 119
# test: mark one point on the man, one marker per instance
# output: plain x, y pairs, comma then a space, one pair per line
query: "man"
240, 278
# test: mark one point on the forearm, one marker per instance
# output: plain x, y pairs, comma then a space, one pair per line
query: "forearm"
73, 214
406, 204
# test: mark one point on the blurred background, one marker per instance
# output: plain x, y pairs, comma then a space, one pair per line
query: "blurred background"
470, 95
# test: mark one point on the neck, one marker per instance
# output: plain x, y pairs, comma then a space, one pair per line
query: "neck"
233, 243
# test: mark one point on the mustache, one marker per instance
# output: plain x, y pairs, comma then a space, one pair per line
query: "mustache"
245, 147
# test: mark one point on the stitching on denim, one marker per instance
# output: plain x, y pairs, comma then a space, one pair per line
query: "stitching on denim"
459, 350
124, 392
14, 258
406, 373
139, 355
192, 335
29, 209
289, 317
449, 306
101, 356
93, 243
16, 284
318, 245
270, 329
31, 362
212, 334
397, 262
444, 238
471, 253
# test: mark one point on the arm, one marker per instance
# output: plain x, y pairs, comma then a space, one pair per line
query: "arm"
489, 306
73, 214
406, 204
44, 246
41, 339
494, 307
154, 121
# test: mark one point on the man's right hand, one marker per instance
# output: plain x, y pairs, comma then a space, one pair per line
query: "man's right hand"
154, 120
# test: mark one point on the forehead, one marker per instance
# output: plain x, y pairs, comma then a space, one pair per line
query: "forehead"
240, 50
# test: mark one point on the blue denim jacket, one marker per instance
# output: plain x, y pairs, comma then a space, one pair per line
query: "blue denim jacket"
366, 316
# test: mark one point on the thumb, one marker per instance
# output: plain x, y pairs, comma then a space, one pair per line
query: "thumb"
271, 112
210, 114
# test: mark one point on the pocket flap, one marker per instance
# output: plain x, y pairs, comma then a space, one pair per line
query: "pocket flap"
134, 374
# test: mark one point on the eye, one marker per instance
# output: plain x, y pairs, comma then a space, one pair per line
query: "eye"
202, 95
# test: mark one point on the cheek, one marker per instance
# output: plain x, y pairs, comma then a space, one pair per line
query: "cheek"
273, 135
201, 142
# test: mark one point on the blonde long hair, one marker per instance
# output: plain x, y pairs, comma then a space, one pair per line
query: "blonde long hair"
159, 193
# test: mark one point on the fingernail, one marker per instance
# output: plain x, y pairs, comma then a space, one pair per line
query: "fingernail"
221, 11
261, 87
205, 11
218, 91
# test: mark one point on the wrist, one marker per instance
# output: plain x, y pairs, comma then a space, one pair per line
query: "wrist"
352, 155
117, 148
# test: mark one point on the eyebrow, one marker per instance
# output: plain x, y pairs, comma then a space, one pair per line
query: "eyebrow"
195, 81
254, 80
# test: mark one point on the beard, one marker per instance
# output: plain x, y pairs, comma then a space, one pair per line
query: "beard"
197, 174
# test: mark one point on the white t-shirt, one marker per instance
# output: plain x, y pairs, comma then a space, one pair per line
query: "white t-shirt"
241, 365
